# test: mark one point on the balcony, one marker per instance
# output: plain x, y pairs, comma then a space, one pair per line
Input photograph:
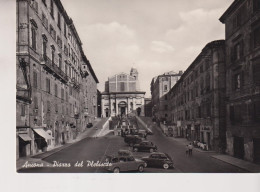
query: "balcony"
23, 94
76, 84
53, 68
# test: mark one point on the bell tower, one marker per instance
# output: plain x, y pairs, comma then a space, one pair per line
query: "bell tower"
134, 73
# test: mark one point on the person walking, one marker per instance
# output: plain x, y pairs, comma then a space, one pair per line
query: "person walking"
187, 149
190, 147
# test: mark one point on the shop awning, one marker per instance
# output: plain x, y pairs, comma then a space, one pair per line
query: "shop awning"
42, 133
25, 137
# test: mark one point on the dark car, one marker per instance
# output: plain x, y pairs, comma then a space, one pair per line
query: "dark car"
145, 146
132, 139
89, 125
158, 159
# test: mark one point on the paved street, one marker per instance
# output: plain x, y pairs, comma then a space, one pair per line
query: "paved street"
95, 149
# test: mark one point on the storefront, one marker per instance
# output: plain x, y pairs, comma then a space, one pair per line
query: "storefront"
205, 135
24, 145
41, 139
24, 142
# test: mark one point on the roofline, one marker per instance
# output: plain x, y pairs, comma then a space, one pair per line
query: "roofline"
129, 92
90, 68
230, 9
210, 45
118, 74
68, 20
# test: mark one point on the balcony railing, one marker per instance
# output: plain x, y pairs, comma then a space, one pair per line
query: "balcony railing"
23, 94
75, 83
53, 68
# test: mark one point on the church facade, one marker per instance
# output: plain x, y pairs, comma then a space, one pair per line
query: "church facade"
122, 95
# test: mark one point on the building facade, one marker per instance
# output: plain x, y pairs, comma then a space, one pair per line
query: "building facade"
122, 95
148, 107
197, 101
55, 82
242, 24
160, 86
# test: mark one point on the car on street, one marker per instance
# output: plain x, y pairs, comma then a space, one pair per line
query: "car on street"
89, 125
124, 163
132, 139
159, 159
124, 152
145, 146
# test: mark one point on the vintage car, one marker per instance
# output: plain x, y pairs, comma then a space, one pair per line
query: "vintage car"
132, 139
145, 146
158, 159
89, 125
124, 163
124, 152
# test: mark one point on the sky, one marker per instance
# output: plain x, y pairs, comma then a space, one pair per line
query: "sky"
154, 36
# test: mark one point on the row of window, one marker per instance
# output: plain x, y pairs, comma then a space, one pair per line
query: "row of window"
73, 40
203, 111
68, 51
48, 88
72, 72
237, 50
245, 113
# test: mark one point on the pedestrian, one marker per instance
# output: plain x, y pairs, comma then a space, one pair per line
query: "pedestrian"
187, 149
190, 148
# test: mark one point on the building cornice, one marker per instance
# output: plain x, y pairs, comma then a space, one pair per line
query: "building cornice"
230, 10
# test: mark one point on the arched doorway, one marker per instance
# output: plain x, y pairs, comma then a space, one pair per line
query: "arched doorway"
122, 107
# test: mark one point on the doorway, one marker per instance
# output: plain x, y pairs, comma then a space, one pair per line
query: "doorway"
208, 139
256, 143
122, 106
106, 111
138, 111
122, 110
238, 147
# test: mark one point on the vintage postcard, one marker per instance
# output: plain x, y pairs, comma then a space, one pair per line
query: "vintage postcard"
140, 86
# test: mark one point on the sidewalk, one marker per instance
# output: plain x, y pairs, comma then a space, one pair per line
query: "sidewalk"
251, 167
38, 158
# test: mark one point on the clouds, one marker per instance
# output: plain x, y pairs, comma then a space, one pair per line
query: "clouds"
111, 47
161, 47
153, 36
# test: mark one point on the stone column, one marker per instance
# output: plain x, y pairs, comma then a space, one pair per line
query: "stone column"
116, 108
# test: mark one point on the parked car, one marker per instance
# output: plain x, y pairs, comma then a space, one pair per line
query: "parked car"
159, 159
132, 139
125, 163
145, 146
89, 125
123, 152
